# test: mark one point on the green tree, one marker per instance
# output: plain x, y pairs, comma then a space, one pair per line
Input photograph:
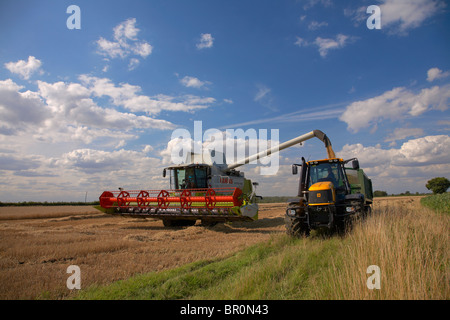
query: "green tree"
438, 185
379, 193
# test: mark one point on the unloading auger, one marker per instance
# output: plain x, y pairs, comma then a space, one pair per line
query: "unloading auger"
200, 190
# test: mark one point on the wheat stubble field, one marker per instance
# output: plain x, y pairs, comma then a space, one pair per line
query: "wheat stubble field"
37, 244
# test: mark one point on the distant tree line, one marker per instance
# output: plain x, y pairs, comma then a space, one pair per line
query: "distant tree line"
46, 203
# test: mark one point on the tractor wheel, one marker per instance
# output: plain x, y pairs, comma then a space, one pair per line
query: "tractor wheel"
296, 227
367, 211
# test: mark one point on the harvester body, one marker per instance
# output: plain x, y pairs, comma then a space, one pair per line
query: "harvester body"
199, 189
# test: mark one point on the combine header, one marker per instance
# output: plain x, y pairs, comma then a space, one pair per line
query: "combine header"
180, 207
201, 190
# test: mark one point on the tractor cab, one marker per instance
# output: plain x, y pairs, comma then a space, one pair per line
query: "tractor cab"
329, 175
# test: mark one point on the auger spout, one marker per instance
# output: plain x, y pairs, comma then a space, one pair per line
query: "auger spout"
315, 133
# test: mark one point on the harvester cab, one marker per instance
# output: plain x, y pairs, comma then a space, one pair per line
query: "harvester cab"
331, 195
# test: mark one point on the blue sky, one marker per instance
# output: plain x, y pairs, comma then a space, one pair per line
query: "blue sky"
91, 109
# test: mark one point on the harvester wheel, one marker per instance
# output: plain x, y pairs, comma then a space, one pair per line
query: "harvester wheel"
296, 227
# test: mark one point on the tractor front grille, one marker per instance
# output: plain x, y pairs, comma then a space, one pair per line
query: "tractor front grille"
317, 197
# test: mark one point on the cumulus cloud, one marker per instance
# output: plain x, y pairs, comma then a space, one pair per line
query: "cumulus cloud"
19, 110
24, 69
395, 104
125, 43
73, 103
415, 152
403, 133
405, 168
128, 96
63, 111
314, 25
133, 64
436, 73
324, 45
400, 16
14, 162
192, 82
94, 161
300, 42
408, 14
206, 41
327, 44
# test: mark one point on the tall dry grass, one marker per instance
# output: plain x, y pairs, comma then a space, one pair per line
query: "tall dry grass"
408, 242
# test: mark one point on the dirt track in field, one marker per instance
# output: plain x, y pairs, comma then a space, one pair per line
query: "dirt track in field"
37, 244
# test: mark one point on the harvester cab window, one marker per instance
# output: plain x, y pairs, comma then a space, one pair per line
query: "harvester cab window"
189, 181
180, 179
201, 177
191, 178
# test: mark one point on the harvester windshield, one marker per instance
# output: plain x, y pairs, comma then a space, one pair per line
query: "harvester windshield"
188, 177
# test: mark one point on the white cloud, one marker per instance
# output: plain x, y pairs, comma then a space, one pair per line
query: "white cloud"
311, 3
264, 97
110, 49
332, 111
133, 64
436, 73
326, 44
263, 91
314, 25
403, 133
142, 49
404, 168
126, 30
14, 162
147, 148
125, 43
395, 104
192, 82
24, 68
128, 96
90, 160
206, 41
66, 112
19, 110
300, 42
403, 15
400, 16
72, 103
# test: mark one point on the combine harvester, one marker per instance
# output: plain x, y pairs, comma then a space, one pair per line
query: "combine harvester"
201, 190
